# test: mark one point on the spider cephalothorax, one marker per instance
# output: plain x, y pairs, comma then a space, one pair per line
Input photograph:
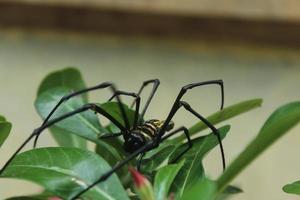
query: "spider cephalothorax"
140, 137
144, 133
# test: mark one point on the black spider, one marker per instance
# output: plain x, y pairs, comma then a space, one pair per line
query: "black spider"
142, 136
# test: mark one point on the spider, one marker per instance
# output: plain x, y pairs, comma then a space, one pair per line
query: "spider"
142, 136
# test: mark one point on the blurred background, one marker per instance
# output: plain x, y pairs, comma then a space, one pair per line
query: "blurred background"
253, 46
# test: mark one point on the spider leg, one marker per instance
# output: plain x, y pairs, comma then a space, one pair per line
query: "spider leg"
67, 97
50, 122
110, 135
156, 83
203, 119
177, 104
119, 165
214, 130
193, 85
187, 135
139, 162
183, 90
137, 99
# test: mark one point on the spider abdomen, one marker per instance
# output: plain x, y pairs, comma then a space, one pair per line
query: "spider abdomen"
147, 130
144, 133
150, 128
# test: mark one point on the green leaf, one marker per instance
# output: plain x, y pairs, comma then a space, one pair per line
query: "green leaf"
293, 188
220, 116
155, 159
116, 142
163, 180
202, 190
71, 79
84, 124
282, 120
226, 113
112, 156
65, 171
2, 118
113, 109
192, 170
5, 128
67, 138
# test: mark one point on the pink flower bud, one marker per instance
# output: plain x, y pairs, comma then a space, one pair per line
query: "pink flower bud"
142, 186
138, 178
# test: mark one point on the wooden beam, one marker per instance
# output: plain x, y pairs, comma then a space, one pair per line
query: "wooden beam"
123, 22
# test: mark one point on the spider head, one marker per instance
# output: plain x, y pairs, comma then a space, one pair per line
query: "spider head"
170, 125
134, 142
160, 123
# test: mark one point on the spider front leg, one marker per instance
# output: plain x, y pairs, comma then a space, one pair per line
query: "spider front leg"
194, 85
137, 99
51, 122
178, 103
155, 83
204, 120
136, 115
86, 90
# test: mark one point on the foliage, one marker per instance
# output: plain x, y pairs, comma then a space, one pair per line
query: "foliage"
142, 185
283, 119
69, 168
52, 88
293, 188
5, 128
65, 171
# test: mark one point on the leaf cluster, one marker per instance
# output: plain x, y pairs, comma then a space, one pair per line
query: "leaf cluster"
69, 168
